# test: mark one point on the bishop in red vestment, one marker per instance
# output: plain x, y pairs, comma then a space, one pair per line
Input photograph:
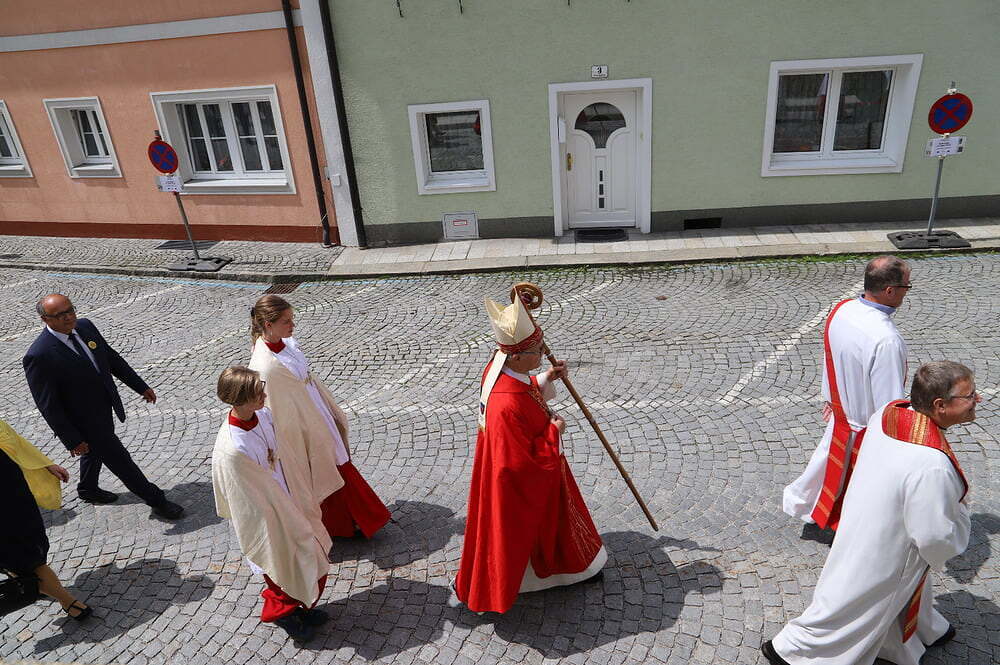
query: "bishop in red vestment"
528, 527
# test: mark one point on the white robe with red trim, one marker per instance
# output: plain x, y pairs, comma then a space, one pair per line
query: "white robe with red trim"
902, 513
869, 358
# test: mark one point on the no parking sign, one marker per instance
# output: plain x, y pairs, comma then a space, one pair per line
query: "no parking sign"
950, 113
162, 156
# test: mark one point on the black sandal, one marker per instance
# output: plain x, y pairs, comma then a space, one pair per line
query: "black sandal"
84, 611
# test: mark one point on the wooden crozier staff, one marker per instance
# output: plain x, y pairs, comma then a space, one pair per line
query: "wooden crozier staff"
531, 296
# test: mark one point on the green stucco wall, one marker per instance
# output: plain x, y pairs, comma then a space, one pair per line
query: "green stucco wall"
709, 62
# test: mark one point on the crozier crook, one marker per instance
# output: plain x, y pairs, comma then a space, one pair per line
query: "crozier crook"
531, 295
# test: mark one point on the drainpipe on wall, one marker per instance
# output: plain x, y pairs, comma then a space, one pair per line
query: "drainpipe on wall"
286, 7
338, 93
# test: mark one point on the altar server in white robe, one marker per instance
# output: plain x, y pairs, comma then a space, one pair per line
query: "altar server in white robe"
304, 410
260, 487
865, 353
905, 514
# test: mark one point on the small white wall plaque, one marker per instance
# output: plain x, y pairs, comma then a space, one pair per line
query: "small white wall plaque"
599, 71
460, 225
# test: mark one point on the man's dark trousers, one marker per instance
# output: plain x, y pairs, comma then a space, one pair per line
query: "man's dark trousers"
106, 449
79, 403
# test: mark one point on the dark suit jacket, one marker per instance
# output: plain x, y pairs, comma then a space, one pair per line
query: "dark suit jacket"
71, 395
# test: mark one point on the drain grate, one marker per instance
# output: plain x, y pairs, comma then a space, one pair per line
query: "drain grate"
601, 235
11, 256
184, 244
284, 287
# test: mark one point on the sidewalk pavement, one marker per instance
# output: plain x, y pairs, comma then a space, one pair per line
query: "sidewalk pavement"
296, 262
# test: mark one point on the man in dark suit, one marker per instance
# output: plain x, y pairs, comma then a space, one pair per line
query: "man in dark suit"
69, 368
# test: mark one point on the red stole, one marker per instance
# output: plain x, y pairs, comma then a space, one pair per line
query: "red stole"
524, 504
903, 424
835, 480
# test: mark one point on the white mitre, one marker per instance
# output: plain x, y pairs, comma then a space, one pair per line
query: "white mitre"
514, 331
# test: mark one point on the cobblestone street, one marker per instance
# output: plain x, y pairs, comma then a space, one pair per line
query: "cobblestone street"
705, 378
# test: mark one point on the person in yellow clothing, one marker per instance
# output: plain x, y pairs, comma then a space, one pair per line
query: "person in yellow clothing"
29, 480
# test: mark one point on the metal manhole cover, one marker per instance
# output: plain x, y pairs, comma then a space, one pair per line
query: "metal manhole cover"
184, 244
11, 256
286, 287
601, 235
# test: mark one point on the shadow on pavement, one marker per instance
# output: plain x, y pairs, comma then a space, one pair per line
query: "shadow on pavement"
123, 598
416, 531
642, 591
198, 501
975, 620
61, 517
965, 567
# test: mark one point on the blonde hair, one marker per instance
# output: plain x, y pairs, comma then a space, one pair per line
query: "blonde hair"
267, 309
238, 385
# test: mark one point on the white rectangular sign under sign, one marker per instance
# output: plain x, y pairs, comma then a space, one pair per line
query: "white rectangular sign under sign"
599, 71
945, 146
168, 183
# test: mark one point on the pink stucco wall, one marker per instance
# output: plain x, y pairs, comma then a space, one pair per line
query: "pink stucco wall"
122, 76
29, 17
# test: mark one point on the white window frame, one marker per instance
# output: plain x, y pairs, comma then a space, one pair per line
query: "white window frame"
64, 125
428, 182
899, 112
167, 107
100, 136
17, 165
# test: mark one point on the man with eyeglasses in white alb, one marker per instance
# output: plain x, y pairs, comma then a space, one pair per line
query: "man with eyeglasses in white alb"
865, 356
907, 513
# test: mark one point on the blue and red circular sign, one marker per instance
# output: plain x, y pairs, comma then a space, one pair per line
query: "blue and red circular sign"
950, 113
162, 156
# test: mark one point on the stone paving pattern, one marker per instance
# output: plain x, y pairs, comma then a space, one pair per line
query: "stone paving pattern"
126, 253
705, 378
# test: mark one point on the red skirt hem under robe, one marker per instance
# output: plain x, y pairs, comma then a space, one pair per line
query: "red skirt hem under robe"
278, 604
353, 506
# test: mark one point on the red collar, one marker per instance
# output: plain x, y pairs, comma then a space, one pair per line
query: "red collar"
276, 347
245, 425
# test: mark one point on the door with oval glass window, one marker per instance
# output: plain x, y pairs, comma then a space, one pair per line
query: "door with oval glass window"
599, 165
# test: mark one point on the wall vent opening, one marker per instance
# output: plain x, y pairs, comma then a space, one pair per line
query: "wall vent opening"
703, 223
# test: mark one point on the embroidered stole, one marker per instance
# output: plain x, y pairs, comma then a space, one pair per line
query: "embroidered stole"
835, 480
903, 424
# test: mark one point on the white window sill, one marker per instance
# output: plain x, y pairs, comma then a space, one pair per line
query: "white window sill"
14, 171
239, 186
95, 171
840, 166
453, 185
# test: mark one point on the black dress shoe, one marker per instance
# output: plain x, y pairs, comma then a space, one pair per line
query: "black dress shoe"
944, 639
772, 656
312, 617
97, 496
296, 628
168, 509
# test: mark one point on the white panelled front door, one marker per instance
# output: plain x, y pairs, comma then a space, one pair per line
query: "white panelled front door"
599, 161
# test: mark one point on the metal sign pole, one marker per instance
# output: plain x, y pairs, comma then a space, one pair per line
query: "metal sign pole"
194, 247
937, 191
